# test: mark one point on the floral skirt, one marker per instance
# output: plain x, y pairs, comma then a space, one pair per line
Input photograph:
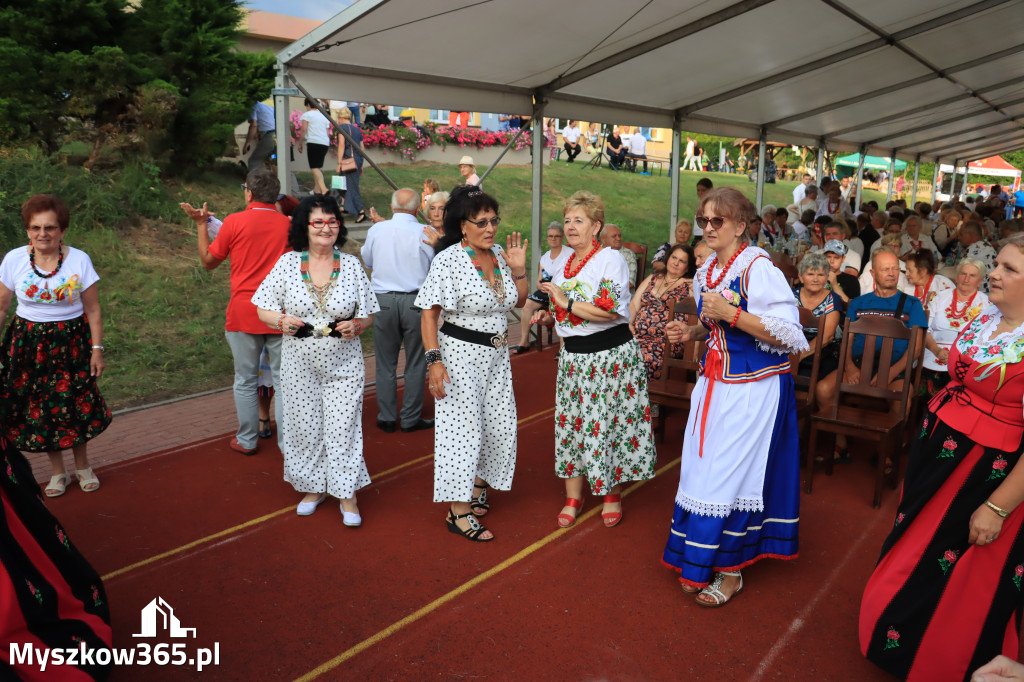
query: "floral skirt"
48, 399
50, 597
603, 418
937, 607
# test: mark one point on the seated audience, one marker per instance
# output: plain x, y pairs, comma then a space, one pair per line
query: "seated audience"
924, 283
952, 309
651, 307
841, 282
684, 235
615, 149
914, 239
813, 294
611, 236
973, 246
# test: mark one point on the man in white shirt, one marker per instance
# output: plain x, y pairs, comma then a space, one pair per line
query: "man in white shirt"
571, 141
399, 260
800, 191
637, 150
611, 236
846, 188
689, 160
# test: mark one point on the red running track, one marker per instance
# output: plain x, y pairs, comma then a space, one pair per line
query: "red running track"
285, 597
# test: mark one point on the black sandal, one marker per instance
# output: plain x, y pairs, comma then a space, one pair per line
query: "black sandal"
480, 501
361, 218
475, 528
265, 431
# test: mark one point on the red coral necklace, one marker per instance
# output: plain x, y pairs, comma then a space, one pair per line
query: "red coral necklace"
953, 314
725, 270
569, 272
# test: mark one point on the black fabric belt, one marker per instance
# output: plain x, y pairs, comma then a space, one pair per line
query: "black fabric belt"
308, 330
470, 336
401, 293
601, 341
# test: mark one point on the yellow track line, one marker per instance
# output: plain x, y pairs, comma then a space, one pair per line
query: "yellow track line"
267, 517
463, 588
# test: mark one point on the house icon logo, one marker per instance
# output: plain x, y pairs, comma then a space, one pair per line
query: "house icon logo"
159, 614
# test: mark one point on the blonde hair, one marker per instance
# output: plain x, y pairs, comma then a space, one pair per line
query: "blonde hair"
893, 238
345, 114
438, 197
589, 203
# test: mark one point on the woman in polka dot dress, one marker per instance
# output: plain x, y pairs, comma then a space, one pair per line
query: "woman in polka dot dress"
322, 301
602, 415
471, 286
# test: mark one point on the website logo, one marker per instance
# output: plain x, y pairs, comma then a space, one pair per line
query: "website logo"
159, 614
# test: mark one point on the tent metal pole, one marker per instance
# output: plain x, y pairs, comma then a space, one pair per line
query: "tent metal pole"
537, 188
917, 174
892, 178
503, 152
761, 147
281, 129
860, 174
673, 177
935, 179
820, 167
952, 182
967, 172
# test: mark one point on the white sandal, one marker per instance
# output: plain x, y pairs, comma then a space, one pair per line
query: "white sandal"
86, 478
714, 591
57, 485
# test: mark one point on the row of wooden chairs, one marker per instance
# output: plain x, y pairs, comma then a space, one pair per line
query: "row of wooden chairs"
862, 410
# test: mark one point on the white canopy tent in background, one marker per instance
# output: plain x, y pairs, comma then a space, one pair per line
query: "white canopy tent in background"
992, 166
919, 80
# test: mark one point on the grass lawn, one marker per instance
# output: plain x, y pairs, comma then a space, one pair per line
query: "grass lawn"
164, 314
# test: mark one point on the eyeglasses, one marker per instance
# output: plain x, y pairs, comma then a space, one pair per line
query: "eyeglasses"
325, 224
493, 222
244, 186
44, 228
554, 236
715, 223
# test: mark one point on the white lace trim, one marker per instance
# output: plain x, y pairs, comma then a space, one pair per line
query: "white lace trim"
990, 326
743, 504
739, 266
791, 336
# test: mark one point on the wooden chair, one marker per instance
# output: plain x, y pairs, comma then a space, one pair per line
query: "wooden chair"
641, 260
874, 419
678, 374
805, 386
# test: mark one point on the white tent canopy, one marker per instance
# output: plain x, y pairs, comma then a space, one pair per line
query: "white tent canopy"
920, 77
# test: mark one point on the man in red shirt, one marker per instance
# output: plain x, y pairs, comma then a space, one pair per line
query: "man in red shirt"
253, 239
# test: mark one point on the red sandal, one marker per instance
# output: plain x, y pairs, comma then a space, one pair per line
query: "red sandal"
564, 520
612, 518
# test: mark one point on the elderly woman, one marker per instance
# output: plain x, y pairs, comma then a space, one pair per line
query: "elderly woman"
467, 169
471, 286
913, 240
550, 262
54, 346
921, 278
322, 301
353, 198
683, 235
738, 498
945, 232
602, 415
945, 595
651, 307
813, 294
951, 310
809, 202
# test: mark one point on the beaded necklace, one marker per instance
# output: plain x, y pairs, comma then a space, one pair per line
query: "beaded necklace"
725, 270
569, 273
32, 261
497, 285
951, 311
322, 293
926, 288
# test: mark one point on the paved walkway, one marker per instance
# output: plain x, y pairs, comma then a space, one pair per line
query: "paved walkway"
143, 430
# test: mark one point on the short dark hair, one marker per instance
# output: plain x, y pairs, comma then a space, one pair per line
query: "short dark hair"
706, 182
264, 185
465, 202
308, 103
298, 233
40, 203
691, 261
923, 259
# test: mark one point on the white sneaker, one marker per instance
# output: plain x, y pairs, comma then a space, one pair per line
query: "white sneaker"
351, 519
307, 508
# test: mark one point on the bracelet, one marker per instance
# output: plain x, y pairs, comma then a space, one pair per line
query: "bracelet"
279, 320
998, 510
358, 327
519, 277
568, 306
737, 318
432, 356
99, 348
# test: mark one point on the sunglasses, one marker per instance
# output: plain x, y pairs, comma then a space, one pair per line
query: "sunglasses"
493, 222
715, 223
325, 224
